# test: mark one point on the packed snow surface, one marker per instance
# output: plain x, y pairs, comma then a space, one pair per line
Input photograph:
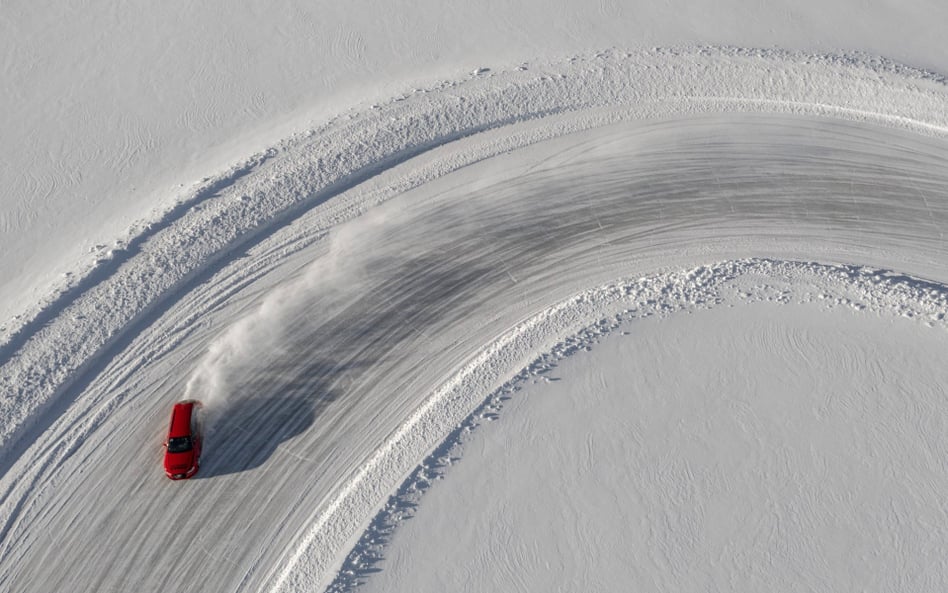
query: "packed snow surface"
750, 243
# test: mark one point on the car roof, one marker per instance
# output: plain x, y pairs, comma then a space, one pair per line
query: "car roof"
181, 419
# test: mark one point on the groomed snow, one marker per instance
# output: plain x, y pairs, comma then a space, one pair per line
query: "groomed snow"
366, 290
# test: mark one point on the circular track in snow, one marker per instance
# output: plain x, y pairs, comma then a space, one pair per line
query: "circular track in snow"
619, 164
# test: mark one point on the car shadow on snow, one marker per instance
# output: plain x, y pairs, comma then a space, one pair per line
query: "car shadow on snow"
243, 432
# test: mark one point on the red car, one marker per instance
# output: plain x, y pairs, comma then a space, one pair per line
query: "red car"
183, 445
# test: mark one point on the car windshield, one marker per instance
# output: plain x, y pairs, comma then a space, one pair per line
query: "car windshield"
179, 444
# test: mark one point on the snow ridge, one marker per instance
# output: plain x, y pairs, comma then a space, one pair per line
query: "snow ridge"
45, 357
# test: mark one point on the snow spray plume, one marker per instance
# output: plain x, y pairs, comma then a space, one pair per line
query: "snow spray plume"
260, 337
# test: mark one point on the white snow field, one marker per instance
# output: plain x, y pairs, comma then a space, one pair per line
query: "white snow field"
700, 288
757, 447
